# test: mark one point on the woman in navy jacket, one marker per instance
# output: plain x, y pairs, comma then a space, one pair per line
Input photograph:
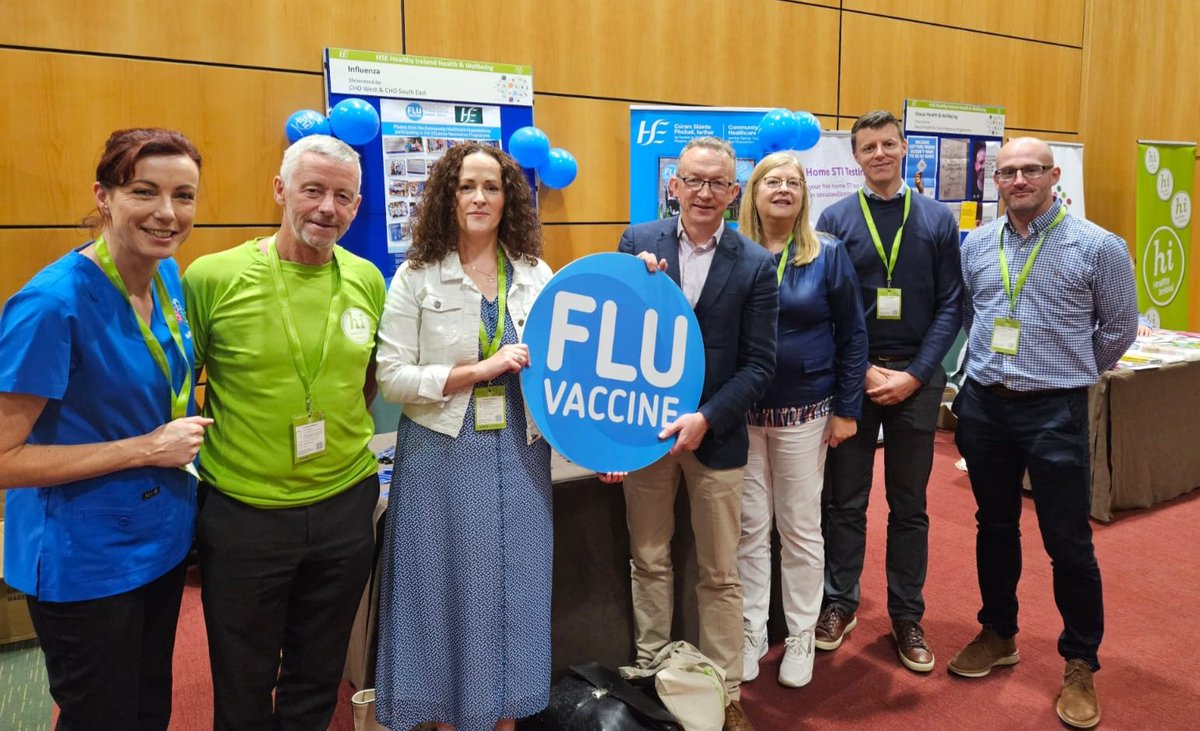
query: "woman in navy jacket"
813, 402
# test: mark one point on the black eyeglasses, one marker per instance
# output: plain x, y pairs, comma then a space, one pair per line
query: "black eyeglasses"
1029, 172
718, 187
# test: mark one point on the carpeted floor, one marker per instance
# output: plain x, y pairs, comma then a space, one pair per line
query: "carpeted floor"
1149, 679
24, 698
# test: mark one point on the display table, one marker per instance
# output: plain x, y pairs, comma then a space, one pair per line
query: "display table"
1144, 451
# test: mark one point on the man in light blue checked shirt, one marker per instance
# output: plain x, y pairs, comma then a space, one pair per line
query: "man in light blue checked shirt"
1049, 303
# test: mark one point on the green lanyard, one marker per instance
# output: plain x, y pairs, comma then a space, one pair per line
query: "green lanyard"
783, 259
489, 348
179, 399
289, 324
1012, 293
889, 265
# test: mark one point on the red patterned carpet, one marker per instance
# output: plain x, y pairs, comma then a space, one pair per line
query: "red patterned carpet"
1149, 679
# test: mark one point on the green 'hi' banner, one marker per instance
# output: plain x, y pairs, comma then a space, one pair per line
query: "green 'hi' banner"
1164, 226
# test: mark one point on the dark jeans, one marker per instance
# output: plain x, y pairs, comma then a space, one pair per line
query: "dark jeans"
1048, 435
908, 429
109, 660
284, 581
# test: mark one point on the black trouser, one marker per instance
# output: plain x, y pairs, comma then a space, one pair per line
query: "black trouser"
1001, 436
908, 429
282, 581
109, 660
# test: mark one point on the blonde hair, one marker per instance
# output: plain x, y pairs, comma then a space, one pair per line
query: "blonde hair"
807, 245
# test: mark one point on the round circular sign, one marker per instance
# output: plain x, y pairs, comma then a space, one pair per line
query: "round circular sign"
616, 354
1151, 160
1181, 209
1163, 266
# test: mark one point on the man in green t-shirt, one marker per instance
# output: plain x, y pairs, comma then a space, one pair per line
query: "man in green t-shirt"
284, 327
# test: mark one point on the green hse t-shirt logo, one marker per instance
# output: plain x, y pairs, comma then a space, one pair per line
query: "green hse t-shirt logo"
357, 325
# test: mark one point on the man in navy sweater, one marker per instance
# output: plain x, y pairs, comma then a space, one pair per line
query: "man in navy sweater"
905, 251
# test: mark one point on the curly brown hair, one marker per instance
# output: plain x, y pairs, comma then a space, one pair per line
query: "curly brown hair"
435, 232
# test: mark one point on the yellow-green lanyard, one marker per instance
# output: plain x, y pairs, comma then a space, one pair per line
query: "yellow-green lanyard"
783, 259
289, 324
489, 348
1014, 293
889, 265
179, 399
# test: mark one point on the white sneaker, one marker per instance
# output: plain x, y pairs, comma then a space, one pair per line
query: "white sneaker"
796, 670
752, 652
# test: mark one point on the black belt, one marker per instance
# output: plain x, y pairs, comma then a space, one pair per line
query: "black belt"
1002, 391
890, 358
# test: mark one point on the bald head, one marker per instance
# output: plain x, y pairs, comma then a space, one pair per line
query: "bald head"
1026, 146
1026, 175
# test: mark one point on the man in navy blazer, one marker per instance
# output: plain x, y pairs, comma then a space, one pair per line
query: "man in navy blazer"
730, 282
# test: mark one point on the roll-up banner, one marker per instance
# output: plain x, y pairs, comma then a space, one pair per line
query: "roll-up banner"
1165, 174
1068, 156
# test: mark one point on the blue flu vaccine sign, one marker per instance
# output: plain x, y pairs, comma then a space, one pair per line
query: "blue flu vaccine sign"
616, 355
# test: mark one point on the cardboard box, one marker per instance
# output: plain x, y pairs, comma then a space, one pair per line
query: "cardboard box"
15, 624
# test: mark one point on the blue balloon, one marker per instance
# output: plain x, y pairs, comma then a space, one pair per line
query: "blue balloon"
529, 146
559, 170
304, 123
777, 130
809, 133
354, 121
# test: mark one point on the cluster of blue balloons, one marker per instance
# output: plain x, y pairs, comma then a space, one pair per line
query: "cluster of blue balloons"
530, 147
781, 129
352, 121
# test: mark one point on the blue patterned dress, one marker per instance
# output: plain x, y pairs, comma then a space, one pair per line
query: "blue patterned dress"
464, 618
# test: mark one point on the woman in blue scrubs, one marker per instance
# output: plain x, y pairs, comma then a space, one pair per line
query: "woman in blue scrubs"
97, 438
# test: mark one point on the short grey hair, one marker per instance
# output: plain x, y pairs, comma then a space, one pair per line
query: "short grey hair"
323, 145
712, 143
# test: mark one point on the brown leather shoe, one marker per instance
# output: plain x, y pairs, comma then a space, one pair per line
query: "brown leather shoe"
833, 625
1077, 704
986, 651
735, 718
911, 647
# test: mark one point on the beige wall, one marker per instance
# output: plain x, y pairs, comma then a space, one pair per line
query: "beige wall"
229, 72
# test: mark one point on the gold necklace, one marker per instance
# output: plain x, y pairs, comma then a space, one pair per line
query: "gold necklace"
490, 277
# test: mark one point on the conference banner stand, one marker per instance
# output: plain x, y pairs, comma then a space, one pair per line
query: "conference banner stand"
1164, 231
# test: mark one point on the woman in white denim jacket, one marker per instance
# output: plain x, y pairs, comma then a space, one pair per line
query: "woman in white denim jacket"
464, 638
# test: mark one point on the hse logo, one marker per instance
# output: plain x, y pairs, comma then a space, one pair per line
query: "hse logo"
652, 134
414, 111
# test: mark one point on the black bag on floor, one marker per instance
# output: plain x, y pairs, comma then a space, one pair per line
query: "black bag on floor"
596, 698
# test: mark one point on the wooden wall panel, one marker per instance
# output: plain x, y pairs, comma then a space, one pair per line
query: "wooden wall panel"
1060, 21
25, 252
565, 244
61, 108
1038, 84
749, 53
1138, 86
274, 34
596, 132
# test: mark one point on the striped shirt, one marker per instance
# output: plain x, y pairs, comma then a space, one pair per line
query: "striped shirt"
1078, 309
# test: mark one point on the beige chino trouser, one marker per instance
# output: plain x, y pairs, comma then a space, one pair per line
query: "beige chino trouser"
716, 510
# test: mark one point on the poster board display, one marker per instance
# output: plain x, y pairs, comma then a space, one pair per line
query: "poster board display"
426, 106
952, 150
658, 133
